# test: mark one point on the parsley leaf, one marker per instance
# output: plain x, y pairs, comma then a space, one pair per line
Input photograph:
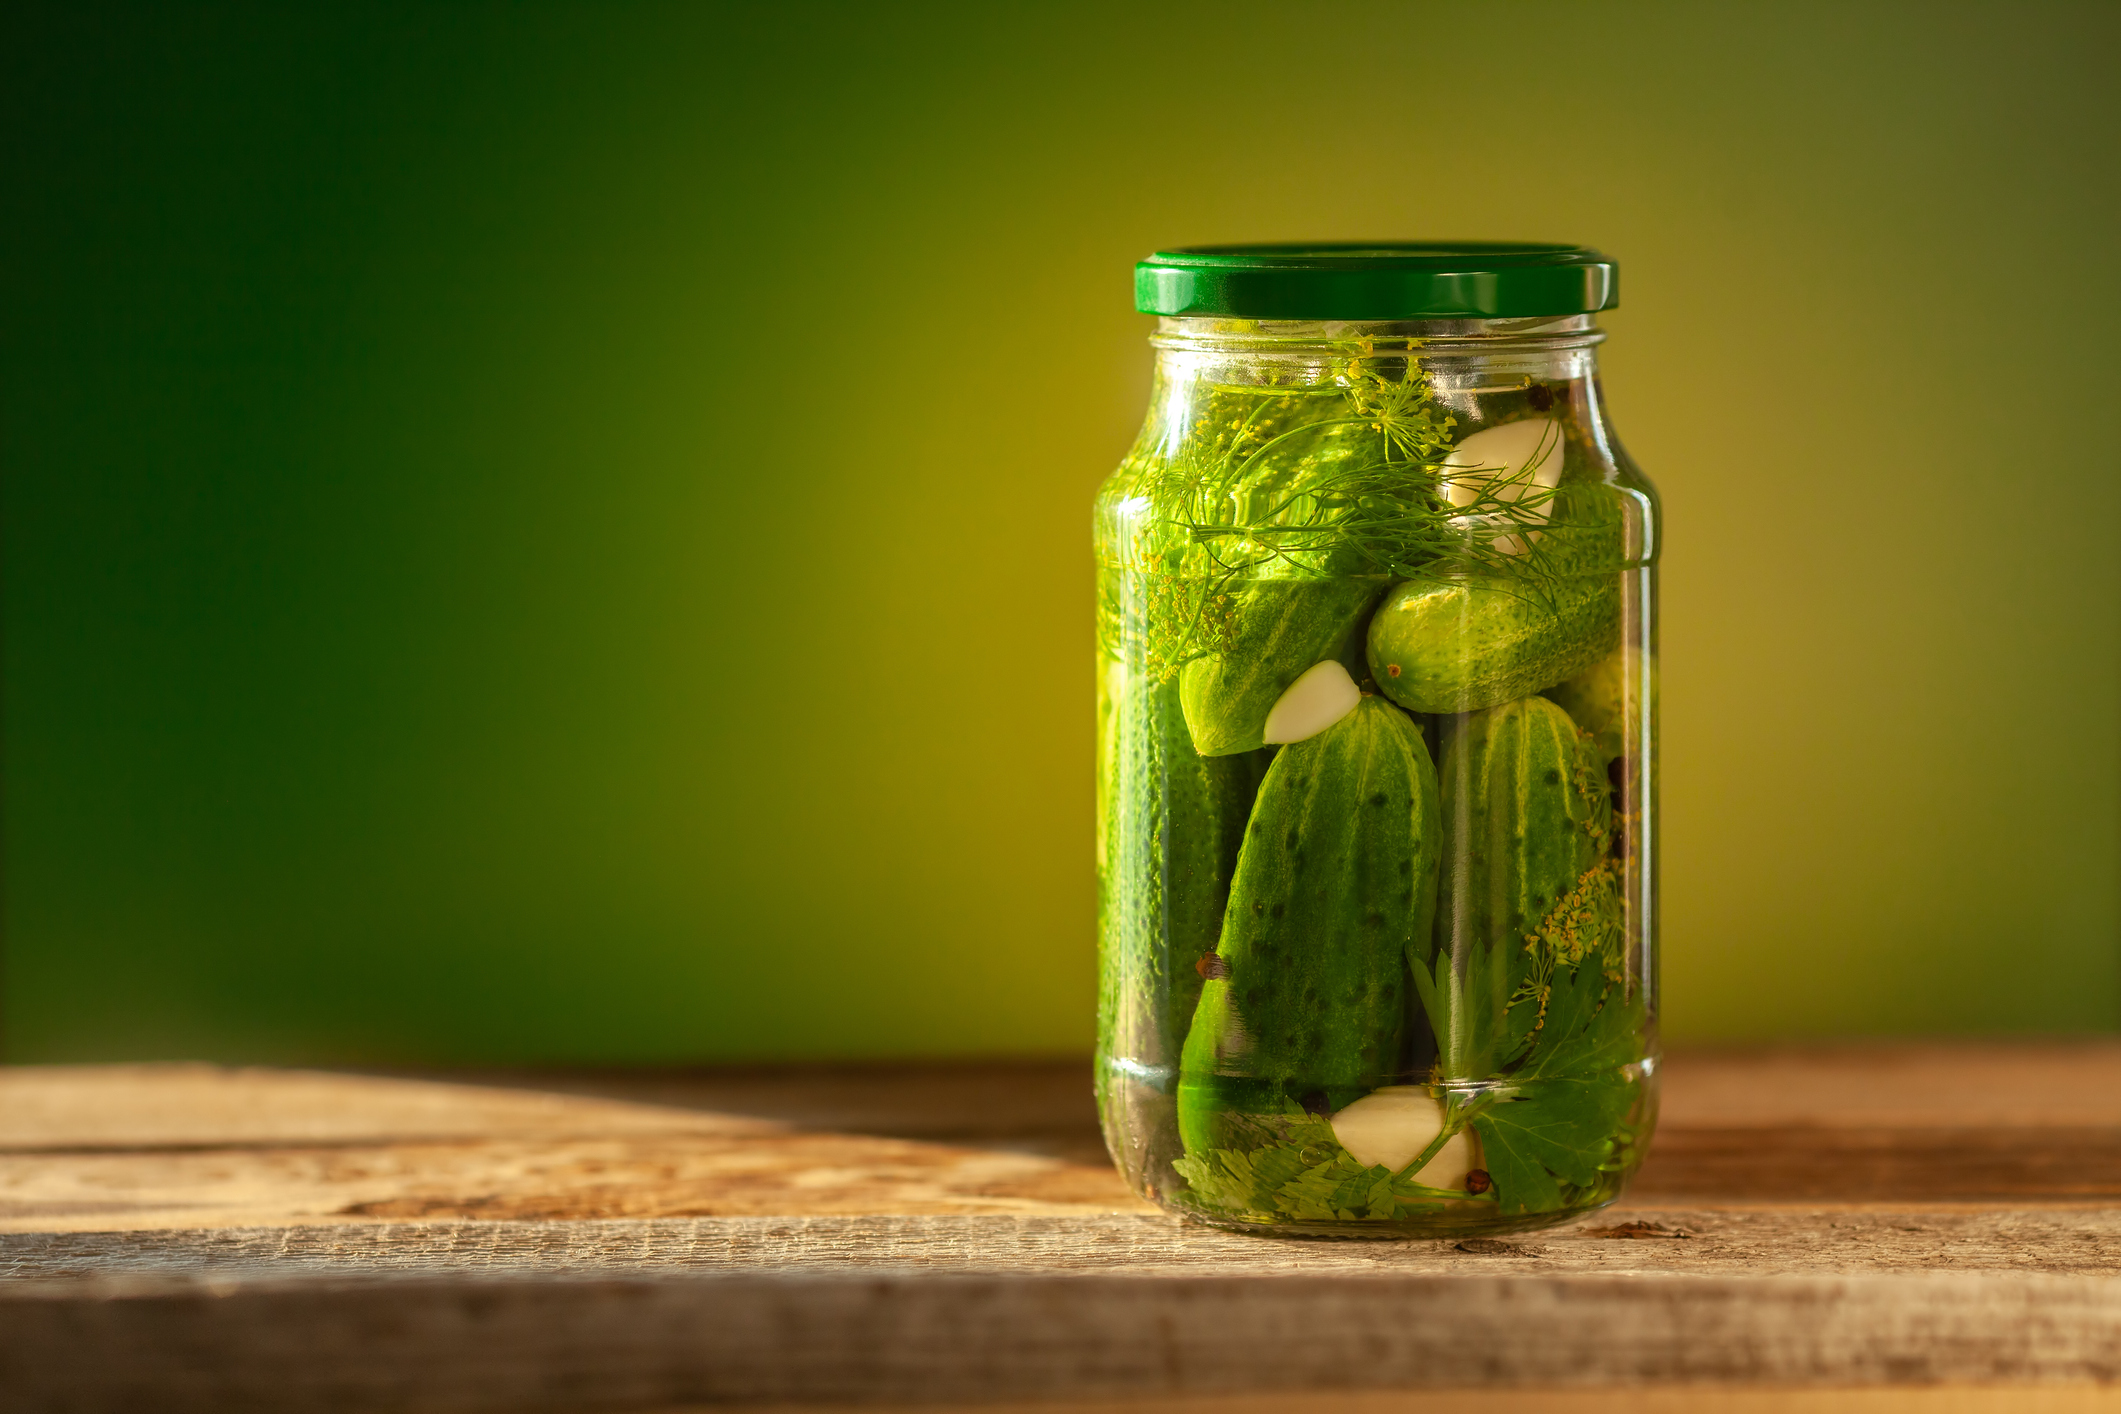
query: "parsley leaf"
1299, 1172
1564, 1107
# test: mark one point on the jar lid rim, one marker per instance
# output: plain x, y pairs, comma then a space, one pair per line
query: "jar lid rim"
1368, 280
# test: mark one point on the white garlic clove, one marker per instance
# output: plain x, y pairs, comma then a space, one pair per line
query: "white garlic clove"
1508, 462
1393, 1125
1315, 701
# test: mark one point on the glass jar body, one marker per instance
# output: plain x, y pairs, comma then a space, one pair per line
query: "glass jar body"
1377, 781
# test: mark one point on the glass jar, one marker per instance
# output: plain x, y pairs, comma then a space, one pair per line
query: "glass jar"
1377, 748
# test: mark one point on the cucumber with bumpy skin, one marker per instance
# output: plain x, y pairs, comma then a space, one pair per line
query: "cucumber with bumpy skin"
1527, 820
1461, 645
1530, 978
1282, 628
1482, 638
1170, 833
1337, 879
1170, 822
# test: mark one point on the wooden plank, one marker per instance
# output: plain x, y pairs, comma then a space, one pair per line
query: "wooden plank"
2014, 1085
1549, 1400
2036, 1084
189, 1105
192, 1237
1814, 1164
1688, 1399
2042, 1242
481, 1316
103, 1148
90, 1148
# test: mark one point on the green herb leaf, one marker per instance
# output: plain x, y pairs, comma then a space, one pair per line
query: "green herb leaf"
1565, 1124
1337, 478
1562, 1117
1522, 1183
1286, 1179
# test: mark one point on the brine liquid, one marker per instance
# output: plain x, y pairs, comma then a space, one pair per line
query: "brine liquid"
1375, 816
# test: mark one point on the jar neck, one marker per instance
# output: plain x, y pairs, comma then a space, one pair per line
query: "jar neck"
1461, 360
1456, 355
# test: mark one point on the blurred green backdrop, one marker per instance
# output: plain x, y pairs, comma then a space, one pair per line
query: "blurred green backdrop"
560, 532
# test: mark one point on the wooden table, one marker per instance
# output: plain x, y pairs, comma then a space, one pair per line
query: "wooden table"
1856, 1229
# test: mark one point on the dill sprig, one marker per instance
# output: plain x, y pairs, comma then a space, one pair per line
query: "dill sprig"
1343, 477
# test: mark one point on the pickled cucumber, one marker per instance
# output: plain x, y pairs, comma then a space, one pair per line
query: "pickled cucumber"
1282, 628
1315, 559
1481, 638
1336, 881
1527, 822
1464, 644
1169, 839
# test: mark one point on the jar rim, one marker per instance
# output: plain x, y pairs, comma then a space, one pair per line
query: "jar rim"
1377, 280
1430, 338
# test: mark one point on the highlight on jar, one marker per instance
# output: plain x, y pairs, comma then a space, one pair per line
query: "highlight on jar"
1377, 747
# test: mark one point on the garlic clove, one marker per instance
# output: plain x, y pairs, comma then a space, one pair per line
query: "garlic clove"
1508, 462
1315, 701
1391, 1126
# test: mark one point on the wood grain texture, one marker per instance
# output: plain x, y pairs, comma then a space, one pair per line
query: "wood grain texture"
2055, 1242
539, 1316
109, 1148
1683, 1399
105, 1148
1905, 1219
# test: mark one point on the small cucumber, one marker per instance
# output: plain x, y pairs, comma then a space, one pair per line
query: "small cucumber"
1337, 879
1464, 644
1484, 638
1171, 824
1526, 818
1282, 629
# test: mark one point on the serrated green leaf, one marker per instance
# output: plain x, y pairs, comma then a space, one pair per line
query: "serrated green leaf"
1284, 1177
1563, 1117
1612, 1039
1565, 1124
1220, 1179
1314, 1194
1572, 1000
1522, 1183
1274, 1168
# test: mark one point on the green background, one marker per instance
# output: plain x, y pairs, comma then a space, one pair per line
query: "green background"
560, 532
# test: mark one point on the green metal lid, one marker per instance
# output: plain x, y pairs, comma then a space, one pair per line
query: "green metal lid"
1378, 280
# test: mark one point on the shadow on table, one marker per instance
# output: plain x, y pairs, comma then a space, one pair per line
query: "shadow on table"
1847, 1124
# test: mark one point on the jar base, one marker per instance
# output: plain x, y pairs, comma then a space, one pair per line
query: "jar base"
1434, 1230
